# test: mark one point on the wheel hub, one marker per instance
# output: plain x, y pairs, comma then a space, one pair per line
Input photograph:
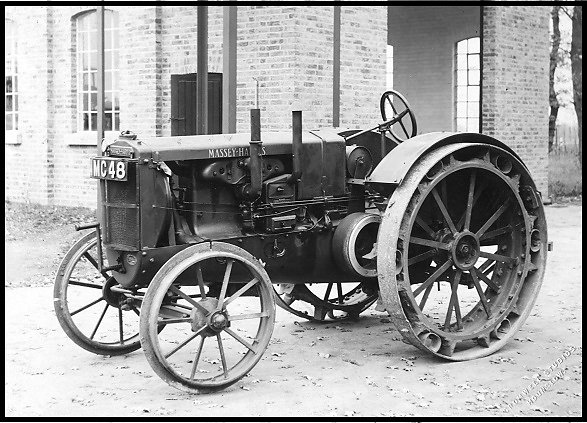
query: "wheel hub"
214, 320
218, 321
465, 249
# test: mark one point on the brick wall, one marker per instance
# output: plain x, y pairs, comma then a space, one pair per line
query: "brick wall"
70, 163
288, 48
179, 50
423, 40
26, 164
363, 36
515, 83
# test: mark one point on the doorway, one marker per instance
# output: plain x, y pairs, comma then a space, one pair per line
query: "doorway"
183, 104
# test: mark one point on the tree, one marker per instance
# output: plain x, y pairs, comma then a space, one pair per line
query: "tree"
577, 71
554, 57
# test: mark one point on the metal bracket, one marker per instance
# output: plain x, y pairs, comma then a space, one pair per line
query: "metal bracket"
101, 267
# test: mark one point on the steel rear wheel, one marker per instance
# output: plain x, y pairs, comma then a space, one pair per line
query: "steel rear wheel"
217, 303
462, 251
324, 302
91, 314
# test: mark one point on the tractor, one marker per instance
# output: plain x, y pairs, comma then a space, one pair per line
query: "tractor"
199, 237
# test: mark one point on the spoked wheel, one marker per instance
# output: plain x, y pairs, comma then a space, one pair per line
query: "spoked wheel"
392, 104
217, 303
462, 251
326, 301
94, 316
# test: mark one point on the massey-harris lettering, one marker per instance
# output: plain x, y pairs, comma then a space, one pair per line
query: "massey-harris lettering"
218, 153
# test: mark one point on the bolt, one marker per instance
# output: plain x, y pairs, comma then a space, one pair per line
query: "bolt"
152, 260
144, 253
519, 273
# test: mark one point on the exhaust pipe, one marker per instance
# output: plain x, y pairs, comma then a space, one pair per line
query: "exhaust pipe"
296, 117
255, 151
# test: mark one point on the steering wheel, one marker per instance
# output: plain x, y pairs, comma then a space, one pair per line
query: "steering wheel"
394, 105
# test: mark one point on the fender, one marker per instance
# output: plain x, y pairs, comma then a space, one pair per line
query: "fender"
396, 164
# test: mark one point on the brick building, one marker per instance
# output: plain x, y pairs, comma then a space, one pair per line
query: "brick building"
462, 68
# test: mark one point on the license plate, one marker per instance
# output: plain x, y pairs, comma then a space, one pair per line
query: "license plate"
108, 168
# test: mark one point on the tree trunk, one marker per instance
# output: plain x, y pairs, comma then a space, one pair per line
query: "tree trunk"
577, 71
554, 104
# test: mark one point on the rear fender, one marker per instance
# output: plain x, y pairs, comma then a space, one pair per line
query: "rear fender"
396, 164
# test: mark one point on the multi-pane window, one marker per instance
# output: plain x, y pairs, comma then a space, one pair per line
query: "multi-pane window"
87, 72
468, 81
389, 68
10, 78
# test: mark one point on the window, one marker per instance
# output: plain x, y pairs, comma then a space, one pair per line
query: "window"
468, 81
10, 78
389, 68
87, 68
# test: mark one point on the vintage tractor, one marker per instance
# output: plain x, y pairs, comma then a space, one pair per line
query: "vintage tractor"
200, 236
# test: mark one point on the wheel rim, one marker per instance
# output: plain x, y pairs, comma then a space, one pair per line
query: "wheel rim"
93, 316
482, 242
214, 336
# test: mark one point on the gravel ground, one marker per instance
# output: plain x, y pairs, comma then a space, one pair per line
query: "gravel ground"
354, 368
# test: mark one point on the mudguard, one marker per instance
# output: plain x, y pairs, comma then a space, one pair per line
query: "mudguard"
396, 164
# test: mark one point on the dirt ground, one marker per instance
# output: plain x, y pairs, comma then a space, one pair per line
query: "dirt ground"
354, 368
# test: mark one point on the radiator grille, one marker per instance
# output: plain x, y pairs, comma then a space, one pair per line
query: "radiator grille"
121, 212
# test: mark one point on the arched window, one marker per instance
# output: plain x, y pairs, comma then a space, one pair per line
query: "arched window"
10, 77
87, 68
468, 81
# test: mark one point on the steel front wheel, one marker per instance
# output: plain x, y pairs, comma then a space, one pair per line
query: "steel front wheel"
462, 251
91, 314
217, 303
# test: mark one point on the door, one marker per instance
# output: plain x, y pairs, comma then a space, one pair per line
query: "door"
183, 104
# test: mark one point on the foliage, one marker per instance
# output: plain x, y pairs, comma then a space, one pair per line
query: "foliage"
577, 69
564, 174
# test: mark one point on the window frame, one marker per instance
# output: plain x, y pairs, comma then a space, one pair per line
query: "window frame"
472, 107
86, 54
12, 73
389, 67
